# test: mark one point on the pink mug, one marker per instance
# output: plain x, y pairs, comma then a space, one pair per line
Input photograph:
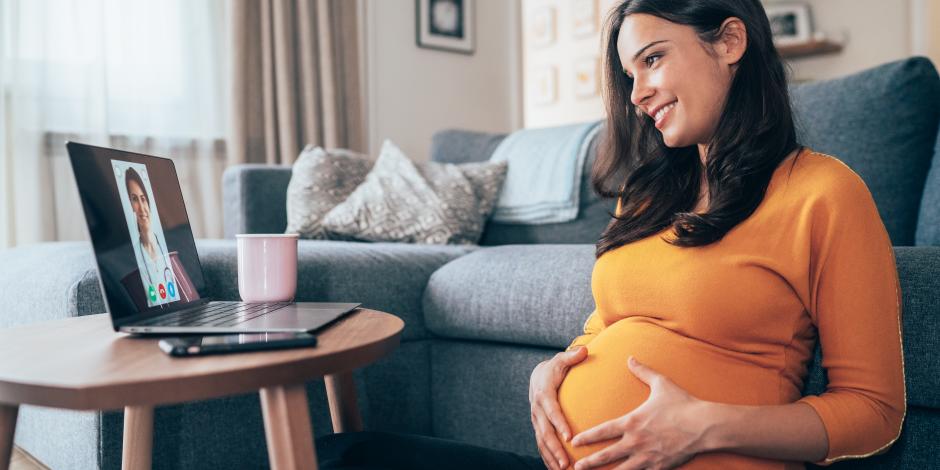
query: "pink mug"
267, 267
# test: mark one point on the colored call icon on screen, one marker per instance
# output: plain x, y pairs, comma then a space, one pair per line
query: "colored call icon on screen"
162, 291
152, 293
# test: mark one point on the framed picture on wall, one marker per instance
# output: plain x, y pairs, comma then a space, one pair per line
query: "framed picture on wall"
583, 17
585, 77
789, 23
446, 25
543, 26
544, 90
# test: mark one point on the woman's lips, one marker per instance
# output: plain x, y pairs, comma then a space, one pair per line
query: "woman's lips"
665, 113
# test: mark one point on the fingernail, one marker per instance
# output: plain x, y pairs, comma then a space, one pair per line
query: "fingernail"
561, 463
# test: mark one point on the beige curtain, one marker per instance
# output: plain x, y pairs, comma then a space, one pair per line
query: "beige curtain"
295, 79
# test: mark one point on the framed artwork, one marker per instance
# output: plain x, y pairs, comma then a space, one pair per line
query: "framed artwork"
585, 77
543, 26
544, 90
790, 23
583, 17
446, 25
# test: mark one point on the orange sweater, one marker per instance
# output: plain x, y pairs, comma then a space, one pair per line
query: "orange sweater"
735, 321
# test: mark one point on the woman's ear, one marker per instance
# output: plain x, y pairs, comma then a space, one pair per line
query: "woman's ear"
732, 41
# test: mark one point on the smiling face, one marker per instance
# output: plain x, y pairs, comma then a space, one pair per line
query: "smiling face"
140, 205
680, 82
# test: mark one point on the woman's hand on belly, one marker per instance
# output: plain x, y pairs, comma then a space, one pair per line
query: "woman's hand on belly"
664, 432
547, 418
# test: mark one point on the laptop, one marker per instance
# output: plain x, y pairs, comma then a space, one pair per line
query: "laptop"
148, 269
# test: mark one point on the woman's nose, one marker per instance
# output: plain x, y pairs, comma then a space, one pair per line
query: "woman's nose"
641, 91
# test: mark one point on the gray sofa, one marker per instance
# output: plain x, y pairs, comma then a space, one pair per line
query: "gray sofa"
479, 318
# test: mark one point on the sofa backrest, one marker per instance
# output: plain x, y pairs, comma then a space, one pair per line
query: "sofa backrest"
928, 223
458, 146
882, 122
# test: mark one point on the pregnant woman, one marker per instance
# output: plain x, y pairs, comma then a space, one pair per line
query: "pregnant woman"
732, 251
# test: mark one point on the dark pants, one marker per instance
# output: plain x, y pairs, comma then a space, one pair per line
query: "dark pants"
389, 451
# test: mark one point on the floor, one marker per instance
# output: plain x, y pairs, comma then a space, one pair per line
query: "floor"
23, 461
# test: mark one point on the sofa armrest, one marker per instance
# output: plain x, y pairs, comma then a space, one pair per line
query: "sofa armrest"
254, 197
48, 281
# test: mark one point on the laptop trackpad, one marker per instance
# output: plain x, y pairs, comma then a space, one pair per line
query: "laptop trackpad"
294, 317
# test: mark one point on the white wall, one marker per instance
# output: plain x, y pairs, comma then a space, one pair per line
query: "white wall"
413, 92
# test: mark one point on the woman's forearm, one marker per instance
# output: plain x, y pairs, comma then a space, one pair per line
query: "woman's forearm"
783, 432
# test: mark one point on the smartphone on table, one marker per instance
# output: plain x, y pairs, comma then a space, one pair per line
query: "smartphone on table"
218, 344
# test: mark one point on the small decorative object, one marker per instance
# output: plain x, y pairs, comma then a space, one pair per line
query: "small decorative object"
543, 26
790, 23
585, 77
544, 79
445, 25
584, 17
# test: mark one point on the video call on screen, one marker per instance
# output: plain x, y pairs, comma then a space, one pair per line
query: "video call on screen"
140, 231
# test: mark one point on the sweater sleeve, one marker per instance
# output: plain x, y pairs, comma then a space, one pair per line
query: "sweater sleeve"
592, 327
855, 304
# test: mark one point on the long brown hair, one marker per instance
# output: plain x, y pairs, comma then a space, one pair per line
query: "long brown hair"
658, 186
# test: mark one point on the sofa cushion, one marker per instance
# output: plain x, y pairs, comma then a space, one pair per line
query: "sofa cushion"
456, 146
928, 224
390, 277
882, 123
528, 294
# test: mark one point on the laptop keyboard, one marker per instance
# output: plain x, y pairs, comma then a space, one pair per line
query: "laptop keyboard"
216, 314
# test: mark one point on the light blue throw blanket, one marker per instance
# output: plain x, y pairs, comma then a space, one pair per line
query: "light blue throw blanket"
544, 178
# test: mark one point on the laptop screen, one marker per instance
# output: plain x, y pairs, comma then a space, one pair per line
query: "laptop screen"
139, 229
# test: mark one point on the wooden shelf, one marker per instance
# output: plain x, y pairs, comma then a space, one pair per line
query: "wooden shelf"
810, 48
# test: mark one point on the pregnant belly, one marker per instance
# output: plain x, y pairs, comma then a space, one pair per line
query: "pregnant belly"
602, 388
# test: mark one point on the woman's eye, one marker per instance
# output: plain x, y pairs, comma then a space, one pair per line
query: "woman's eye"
650, 59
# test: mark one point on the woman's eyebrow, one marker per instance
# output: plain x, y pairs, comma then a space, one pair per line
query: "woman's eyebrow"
641, 51
647, 47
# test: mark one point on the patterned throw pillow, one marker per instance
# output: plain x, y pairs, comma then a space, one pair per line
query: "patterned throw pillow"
430, 203
320, 180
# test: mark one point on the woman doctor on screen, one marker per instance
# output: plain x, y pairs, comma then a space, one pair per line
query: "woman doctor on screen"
155, 270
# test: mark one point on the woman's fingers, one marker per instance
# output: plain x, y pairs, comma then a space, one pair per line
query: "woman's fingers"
550, 460
570, 358
546, 455
556, 417
605, 431
612, 453
546, 432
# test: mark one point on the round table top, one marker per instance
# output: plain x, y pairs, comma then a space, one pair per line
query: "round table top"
81, 363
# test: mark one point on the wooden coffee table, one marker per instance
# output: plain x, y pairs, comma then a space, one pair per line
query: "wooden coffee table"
82, 364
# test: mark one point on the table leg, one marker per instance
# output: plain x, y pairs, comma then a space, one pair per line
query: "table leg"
7, 430
344, 409
287, 427
138, 438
